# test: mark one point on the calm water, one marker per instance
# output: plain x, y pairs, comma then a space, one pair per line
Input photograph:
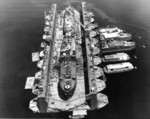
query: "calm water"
21, 29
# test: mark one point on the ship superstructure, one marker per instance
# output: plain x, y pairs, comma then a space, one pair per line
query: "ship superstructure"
116, 46
71, 76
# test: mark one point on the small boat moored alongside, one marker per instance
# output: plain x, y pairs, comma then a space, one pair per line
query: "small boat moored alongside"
114, 33
117, 68
110, 30
116, 57
117, 46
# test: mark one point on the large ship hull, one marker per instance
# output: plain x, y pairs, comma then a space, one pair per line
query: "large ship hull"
67, 79
67, 60
63, 94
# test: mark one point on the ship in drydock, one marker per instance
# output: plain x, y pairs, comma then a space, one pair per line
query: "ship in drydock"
71, 76
67, 73
67, 58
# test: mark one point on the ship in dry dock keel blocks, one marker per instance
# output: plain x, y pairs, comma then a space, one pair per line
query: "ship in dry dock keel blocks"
70, 77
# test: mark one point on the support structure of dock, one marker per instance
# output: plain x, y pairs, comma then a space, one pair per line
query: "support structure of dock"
92, 80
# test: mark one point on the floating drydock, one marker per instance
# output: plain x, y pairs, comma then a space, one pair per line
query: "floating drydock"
71, 76
60, 83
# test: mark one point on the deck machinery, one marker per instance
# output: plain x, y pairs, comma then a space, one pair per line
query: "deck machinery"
70, 77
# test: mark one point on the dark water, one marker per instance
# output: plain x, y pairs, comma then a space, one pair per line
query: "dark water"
21, 29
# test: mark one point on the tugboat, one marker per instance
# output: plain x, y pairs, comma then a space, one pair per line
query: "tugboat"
67, 59
116, 57
116, 46
117, 68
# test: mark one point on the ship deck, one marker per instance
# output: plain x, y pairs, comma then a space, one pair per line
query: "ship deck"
78, 98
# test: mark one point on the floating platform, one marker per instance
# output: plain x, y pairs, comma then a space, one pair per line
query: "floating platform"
70, 64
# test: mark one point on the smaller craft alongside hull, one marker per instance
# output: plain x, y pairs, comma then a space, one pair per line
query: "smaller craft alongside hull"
117, 46
117, 57
119, 67
107, 34
110, 30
